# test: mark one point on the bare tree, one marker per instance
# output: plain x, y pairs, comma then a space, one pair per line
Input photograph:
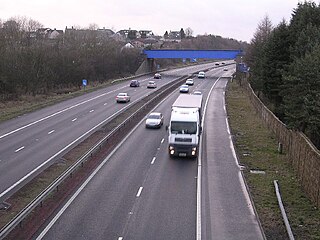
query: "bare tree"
189, 32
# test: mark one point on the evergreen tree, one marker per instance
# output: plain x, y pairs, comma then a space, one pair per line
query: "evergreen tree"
276, 60
182, 34
257, 55
301, 95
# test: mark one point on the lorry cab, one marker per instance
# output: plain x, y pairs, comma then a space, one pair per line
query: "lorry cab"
185, 126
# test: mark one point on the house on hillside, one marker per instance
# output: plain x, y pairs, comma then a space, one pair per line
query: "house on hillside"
172, 36
54, 34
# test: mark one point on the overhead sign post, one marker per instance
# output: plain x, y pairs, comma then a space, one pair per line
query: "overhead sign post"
84, 83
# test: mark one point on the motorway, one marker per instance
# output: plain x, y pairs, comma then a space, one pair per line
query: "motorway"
139, 192
32, 142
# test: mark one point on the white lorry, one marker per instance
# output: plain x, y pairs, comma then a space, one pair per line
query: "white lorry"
185, 126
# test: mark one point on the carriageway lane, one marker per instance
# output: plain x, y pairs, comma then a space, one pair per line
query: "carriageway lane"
227, 211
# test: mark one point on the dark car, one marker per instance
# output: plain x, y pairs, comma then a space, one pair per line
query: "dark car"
135, 83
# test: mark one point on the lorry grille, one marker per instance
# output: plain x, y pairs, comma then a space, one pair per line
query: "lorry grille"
183, 139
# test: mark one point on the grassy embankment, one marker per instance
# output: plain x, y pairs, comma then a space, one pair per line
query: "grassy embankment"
256, 147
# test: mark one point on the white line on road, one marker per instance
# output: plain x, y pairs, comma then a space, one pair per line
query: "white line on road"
52, 131
75, 119
120, 238
91, 110
105, 104
139, 192
56, 113
199, 176
153, 159
53, 156
19, 149
162, 140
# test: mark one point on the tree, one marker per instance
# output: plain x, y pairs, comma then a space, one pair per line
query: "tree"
182, 34
166, 35
301, 94
189, 32
276, 60
256, 54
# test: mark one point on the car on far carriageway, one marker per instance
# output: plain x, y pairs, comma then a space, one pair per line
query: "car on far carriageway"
154, 120
201, 75
151, 84
157, 76
122, 97
134, 83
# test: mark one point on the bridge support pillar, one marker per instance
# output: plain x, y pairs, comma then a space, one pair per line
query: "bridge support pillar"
147, 66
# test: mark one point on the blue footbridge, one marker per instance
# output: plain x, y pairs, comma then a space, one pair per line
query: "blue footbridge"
149, 64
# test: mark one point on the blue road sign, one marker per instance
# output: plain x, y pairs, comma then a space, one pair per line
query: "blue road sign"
84, 82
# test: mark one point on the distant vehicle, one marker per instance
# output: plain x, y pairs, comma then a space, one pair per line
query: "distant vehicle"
151, 84
197, 93
154, 120
189, 81
184, 89
225, 69
122, 97
185, 126
223, 63
217, 64
201, 75
135, 83
157, 76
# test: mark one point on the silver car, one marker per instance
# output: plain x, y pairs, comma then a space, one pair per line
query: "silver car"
154, 120
122, 97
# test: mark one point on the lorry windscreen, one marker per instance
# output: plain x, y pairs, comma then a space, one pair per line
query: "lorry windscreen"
183, 127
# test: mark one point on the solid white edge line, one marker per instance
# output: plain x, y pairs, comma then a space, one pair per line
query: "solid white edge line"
153, 160
139, 192
52, 157
56, 113
198, 230
52, 222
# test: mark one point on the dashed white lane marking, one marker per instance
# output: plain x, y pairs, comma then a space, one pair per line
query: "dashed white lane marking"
120, 238
91, 110
162, 140
75, 119
105, 104
153, 160
19, 149
139, 192
52, 131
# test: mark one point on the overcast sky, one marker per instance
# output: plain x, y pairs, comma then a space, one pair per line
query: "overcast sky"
236, 19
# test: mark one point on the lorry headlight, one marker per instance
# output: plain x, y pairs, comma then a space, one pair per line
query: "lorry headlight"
171, 152
193, 151
171, 148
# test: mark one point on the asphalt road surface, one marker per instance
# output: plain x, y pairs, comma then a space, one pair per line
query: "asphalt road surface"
139, 192
32, 142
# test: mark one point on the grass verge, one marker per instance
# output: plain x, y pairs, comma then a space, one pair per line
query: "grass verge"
256, 147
